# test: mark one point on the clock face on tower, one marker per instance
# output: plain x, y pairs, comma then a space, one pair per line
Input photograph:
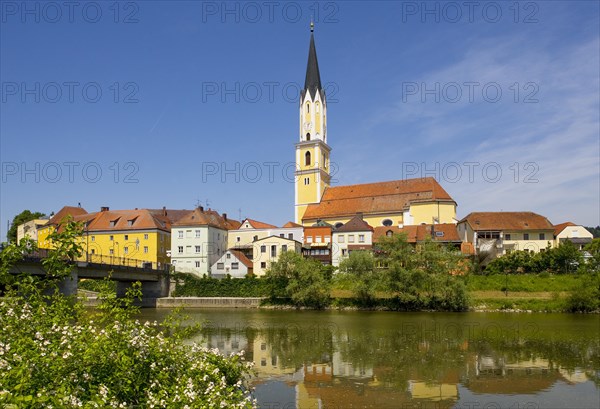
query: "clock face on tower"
307, 126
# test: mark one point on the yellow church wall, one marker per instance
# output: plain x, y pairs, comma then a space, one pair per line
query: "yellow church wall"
426, 212
302, 164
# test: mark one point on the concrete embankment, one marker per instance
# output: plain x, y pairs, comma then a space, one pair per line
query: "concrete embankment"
208, 302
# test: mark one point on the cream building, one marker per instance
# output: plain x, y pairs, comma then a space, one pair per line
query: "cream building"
30, 229
577, 235
268, 250
499, 233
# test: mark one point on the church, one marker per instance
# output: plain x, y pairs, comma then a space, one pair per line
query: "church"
396, 203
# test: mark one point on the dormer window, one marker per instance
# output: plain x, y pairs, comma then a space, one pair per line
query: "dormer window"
130, 222
113, 223
389, 233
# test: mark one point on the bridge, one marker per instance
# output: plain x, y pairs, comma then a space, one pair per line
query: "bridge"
154, 277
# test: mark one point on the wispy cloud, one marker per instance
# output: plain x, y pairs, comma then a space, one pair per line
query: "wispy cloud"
559, 134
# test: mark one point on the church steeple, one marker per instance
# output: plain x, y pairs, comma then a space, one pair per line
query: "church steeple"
312, 83
312, 151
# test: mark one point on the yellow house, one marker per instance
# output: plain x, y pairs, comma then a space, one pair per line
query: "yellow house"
124, 237
44, 231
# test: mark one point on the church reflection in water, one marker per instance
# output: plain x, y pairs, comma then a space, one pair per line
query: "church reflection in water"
352, 369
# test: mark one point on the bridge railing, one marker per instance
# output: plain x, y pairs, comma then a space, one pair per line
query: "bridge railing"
125, 262
110, 261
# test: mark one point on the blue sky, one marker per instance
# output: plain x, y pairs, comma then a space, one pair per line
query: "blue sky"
152, 103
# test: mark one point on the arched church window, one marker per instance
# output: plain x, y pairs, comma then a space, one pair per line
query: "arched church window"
308, 136
317, 108
307, 108
307, 159
387, 222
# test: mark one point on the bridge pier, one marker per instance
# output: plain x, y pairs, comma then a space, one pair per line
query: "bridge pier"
68, 286
151, 290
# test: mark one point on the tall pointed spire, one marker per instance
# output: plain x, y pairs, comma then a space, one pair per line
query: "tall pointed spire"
312, 83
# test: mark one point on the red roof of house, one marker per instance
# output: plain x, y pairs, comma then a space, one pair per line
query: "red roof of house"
201, 217
259, 225
242, 257
560, 227
355, 224
508, 221
291, 224
421, 232
380, 197
64, 212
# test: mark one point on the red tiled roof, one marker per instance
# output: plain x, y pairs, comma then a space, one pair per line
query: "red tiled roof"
200, 217
141, 219
64, 212
291, 224
259, 225
380, 197
355, 224
560, 227
242, 257
421, 232
507, 221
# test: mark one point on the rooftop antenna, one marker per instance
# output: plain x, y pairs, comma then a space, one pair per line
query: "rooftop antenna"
198, 203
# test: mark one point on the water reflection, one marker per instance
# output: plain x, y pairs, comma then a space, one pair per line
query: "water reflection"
381, 360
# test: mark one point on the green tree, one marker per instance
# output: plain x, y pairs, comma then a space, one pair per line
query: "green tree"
422, 276
593, 264
23, 217
360, 265
55, 354
301, 280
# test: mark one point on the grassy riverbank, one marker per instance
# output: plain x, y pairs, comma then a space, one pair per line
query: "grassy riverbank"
527, 292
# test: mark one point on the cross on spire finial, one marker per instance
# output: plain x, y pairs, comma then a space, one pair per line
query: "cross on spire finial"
312, 25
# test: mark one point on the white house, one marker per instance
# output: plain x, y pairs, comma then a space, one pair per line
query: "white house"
232, 262
199, 239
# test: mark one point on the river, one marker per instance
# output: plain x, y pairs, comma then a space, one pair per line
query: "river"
358, 359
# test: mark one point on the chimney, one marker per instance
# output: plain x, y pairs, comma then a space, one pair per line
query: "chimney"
360, 215
225, 216
104, 209
164, 210
201, 208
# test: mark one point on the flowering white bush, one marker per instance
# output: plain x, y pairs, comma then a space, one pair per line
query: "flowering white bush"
53, 353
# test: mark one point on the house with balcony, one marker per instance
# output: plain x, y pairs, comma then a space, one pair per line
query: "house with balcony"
498, 233
317, 242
